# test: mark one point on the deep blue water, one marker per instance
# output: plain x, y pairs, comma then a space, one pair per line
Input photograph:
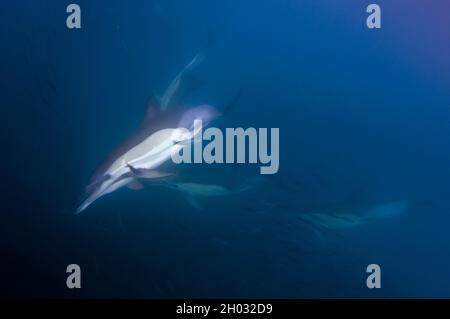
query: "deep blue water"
363, 115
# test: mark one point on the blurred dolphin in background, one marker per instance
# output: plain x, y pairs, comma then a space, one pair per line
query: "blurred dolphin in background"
351, 217
191, 191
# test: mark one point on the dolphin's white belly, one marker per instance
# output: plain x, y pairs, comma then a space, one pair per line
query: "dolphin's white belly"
150, 153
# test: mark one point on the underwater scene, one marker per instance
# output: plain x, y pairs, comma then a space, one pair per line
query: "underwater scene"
225, 149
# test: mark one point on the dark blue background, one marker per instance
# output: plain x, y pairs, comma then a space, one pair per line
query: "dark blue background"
357, 109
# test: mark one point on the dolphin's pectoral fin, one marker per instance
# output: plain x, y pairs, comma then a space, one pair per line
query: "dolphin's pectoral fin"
135, 185
148, 173
185, 140
133, 170
193, 202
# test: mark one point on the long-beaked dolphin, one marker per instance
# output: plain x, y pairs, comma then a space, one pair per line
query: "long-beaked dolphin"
168, 96
192, 190
160, 134
350, 218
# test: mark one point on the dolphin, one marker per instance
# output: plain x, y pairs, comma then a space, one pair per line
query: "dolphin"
192, 190
169, 93
138, 158
347, 219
